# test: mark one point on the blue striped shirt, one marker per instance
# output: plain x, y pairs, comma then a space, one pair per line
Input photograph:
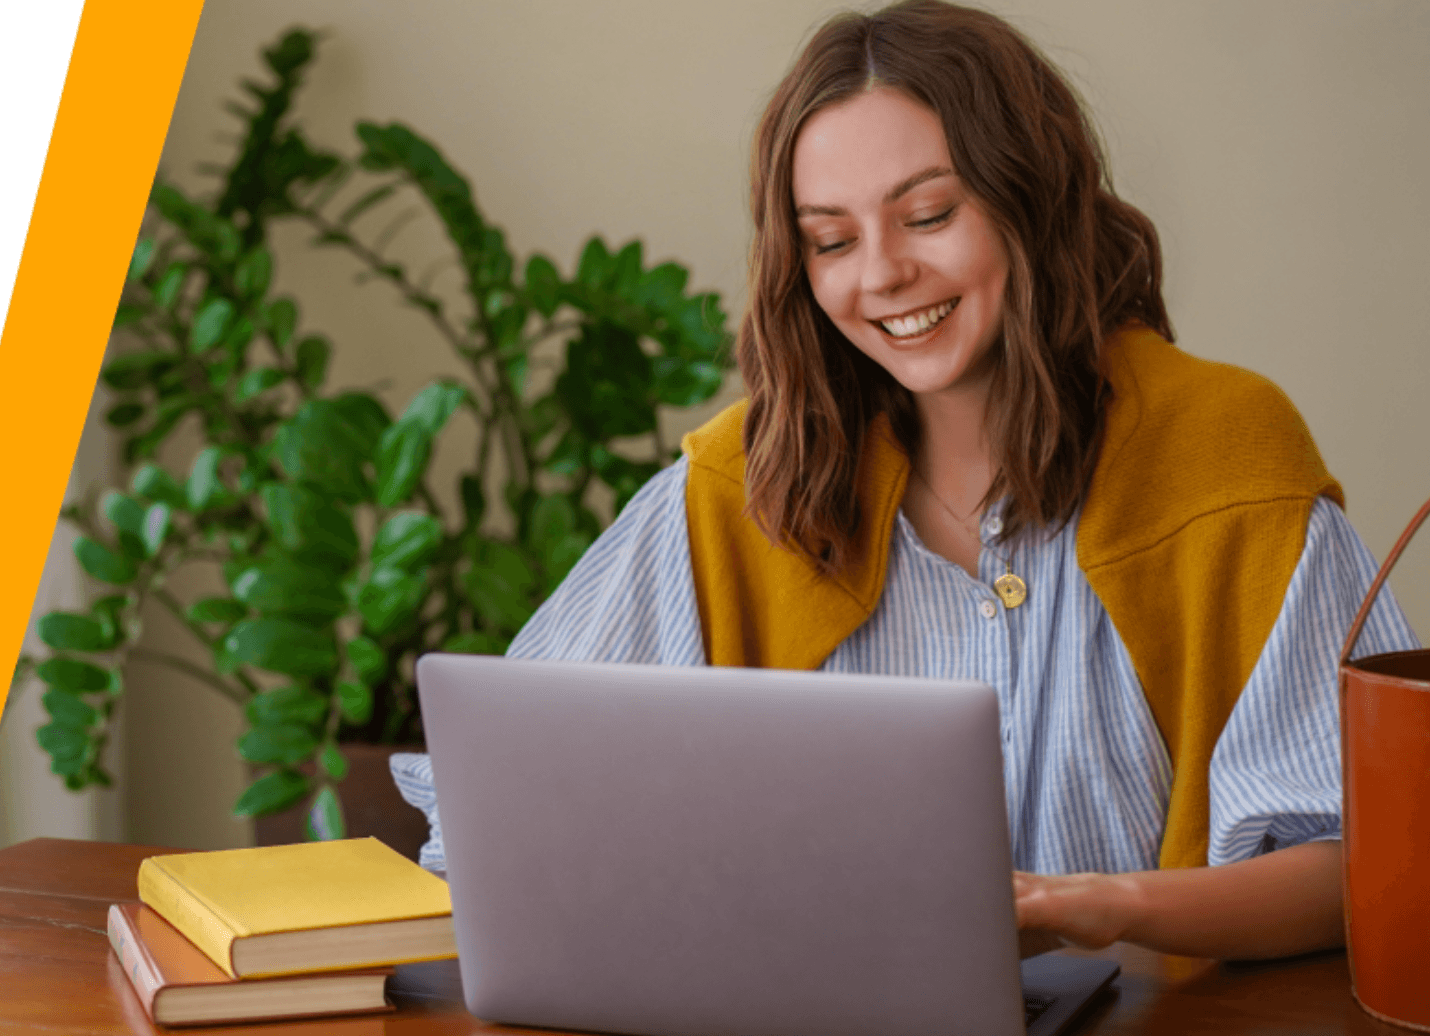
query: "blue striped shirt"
1086, 772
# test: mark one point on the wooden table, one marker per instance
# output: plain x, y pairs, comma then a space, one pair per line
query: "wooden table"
57, 974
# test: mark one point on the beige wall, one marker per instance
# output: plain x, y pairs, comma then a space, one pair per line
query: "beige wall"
1279, 145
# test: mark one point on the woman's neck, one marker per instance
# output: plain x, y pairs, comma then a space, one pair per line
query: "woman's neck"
952, 473
955, 458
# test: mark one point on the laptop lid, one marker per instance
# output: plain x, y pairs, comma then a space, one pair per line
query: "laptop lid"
669, 851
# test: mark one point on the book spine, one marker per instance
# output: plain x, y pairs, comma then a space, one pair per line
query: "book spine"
138, 966
192, 917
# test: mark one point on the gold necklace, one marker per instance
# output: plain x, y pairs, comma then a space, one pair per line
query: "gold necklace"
1011, 590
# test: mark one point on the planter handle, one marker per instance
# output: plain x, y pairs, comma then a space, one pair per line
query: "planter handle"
1380, 578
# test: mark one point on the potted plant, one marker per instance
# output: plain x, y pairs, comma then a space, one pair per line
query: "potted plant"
317, 633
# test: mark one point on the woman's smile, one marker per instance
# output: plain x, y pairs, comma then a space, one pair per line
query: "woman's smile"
909, 326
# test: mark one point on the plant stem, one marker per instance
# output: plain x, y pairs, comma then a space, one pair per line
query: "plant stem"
428, 304
183, 665
177, 610
172, 605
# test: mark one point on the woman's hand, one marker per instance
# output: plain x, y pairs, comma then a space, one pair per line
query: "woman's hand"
1087, 910
1276, 905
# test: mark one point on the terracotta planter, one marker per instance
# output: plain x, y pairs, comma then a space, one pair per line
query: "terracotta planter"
371, 805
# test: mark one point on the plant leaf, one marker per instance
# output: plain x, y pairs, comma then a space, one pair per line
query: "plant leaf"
279, 743
134, 371
155, 527
552, 518
368, 660
139, 261
595, 265
626, 269
402, 456
282, 319
311, 360
257, 381
281, 646
389, 598
204, 485
66, 631
287, 705
69, 747
72, 674
124, 414
253, 273
543, 285
333, 762
210, 324
271, 794
407, 541
325, 817
661, 286
500, 585
679, 382
476, 643
67, 709
166, 291
322, 445
309, 526
216, 609
434, 405
107, 611
154, 483
100, 562
607, 384
279, 586
355, 702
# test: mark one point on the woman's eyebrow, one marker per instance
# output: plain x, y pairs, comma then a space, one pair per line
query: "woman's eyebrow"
931, 173
903, 188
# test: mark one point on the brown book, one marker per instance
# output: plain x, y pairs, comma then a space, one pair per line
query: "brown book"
179, 985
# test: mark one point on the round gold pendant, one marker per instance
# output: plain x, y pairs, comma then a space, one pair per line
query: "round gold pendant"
1011, 589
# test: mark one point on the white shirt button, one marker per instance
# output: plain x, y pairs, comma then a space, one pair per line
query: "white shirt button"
993, 526
988, 608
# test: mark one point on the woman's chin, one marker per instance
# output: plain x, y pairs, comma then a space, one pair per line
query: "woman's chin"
923, 381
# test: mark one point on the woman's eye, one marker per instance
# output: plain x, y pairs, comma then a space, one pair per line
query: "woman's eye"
825, 247
933, 221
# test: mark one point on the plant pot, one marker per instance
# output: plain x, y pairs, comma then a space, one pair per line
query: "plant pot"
371, 805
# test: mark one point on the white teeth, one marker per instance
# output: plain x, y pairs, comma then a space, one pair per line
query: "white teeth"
907, 327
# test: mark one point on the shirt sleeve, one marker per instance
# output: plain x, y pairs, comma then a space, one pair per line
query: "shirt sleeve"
631, 597
1275, 778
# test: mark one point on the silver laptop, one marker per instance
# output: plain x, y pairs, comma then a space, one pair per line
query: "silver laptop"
702, 851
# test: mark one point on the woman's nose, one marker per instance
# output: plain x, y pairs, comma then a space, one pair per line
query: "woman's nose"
887, 268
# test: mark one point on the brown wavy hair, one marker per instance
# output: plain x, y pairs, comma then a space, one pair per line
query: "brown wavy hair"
1082, 263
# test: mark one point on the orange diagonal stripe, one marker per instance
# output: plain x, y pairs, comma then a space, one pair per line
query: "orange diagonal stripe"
119, 93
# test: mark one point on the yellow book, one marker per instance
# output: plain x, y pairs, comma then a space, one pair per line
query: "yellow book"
314, 906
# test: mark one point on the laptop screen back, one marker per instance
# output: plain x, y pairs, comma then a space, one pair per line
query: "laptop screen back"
644, 849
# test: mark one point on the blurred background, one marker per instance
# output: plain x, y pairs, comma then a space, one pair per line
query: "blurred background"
1278, 145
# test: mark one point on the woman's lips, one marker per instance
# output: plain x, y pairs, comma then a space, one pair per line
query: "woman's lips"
917, 325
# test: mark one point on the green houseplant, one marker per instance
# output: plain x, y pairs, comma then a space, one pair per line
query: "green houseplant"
316, 635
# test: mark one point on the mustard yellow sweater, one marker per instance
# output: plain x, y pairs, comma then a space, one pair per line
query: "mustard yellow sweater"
1194, 522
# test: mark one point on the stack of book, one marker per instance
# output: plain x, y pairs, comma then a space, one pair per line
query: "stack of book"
284, 931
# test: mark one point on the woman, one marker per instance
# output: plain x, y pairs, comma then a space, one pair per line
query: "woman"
970, 450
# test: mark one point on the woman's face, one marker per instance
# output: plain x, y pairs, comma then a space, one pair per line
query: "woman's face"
898, 253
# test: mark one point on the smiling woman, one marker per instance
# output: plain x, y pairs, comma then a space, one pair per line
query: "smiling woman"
970, 450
